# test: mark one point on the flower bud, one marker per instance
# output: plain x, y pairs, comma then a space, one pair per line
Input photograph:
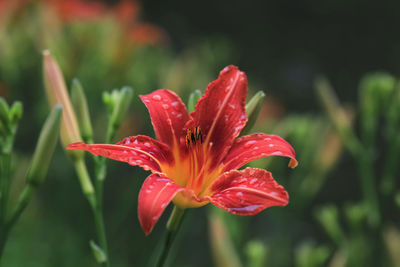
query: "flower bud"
123, 98
4, 119
253, 108
375, 91
310, 255
98, 253
80, 105
328, 217
16, 112
193, 98
57, 94
45, 147
256, 254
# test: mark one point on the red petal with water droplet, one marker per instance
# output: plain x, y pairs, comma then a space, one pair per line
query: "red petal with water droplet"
255, 146
247, 192
220, 112
136, 150
168, 115
157, 191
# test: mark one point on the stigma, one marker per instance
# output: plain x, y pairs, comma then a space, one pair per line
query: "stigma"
194, 137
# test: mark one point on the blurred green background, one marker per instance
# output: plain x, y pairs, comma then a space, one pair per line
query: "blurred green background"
344, 195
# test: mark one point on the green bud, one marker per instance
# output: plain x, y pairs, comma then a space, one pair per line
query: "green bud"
337, 115
45, 147
307, 255
122, 100
253, 108
256, 254
107, 99
4, 110
328, 217
397, 199
16, 112
80, 105
98, 253
193, 98
355, 215
375, 91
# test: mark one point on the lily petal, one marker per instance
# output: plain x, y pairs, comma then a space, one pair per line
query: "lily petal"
136, 150
157, 191
168, 115
220, 112
255, 146
247, 192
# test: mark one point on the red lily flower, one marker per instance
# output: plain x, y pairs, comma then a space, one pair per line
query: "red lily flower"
196, 157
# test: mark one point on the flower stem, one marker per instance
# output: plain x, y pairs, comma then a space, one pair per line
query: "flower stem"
95, 200
23, 201
4, 185
172, 227
100, 173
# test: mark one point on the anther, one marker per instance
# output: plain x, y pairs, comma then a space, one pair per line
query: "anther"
193, 137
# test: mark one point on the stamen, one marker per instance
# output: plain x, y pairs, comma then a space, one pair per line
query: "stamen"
193, 137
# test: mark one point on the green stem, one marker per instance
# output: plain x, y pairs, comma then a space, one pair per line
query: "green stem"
95, 200
5, 161
23, 201
366, 173
100, 173
172, 227
100, 229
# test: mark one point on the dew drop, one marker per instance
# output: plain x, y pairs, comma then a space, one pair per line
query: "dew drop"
274, 194
239, 194
267, 139
139, 162
253, 181
147, 144
165, 106
157, 97
271, 145
249, 143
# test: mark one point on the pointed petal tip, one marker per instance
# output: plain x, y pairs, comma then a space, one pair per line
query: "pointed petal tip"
293, 163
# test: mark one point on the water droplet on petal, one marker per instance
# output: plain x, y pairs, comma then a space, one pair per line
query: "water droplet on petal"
239, 194
274, 194
271, 145
165, 106
157, 97
249, 143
